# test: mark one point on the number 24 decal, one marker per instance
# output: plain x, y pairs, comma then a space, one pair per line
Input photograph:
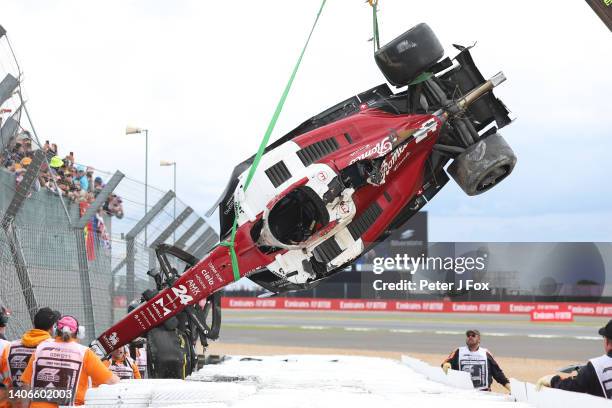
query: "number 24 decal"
181, 292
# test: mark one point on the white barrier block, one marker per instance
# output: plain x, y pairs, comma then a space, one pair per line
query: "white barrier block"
550, 397
456, 379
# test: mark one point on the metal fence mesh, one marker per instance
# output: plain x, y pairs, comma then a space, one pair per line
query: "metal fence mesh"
51, 251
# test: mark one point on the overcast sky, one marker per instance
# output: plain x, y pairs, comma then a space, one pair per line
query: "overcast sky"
205, 77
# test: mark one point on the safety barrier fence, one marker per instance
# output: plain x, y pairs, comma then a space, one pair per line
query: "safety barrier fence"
361, 305
54, 253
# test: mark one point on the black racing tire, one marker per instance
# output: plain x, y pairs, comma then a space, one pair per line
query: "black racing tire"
409, 55
167, 353
483, 165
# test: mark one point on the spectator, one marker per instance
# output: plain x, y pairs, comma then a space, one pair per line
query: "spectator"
69, 159
56, 162
4, 347
98, 185
82, 177
90, 180
114, 206
60, 176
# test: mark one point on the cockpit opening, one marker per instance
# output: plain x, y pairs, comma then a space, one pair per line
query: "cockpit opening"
297, 216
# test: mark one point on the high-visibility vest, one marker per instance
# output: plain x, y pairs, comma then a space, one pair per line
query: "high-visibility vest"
141, 361
603, 369
57, 365
18, 359
5, 373
475, 364
122, 370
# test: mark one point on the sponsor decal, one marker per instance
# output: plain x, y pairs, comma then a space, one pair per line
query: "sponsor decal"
140, 322
19, 362
229, 206
564, 316
208, 278
389, 162
181, 292
193, 287
408, 306
383, 147
359, 149
215, 273
321, 304
113, 338
296, 304
434, 306
426, 129
322, 176
160, 302
48, 374
405, 45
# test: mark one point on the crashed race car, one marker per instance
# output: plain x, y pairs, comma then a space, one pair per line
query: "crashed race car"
348, 177
340, 182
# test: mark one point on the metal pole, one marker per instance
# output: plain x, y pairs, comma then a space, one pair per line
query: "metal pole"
174, 210
130, 275
146, 179
90, 323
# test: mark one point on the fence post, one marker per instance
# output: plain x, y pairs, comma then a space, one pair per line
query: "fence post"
79, 235
8, 130
89, 322
8, 224
7, 87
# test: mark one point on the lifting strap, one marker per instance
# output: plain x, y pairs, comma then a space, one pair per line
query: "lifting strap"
262, 147
375, 35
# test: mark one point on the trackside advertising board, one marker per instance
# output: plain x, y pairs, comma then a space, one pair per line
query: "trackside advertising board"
576, 309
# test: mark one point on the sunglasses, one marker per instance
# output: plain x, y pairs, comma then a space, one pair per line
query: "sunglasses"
472, 335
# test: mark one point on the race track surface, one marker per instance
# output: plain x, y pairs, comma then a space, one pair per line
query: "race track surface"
504, 335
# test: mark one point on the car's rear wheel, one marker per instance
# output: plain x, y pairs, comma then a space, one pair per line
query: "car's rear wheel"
410, 54
483, 165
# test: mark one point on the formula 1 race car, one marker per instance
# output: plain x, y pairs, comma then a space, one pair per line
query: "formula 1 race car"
345, 179
349, 176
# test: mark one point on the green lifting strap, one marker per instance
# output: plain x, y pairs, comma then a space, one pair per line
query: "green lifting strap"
262, 147
375, 35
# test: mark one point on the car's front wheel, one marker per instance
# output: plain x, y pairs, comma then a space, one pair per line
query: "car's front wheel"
483, 165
